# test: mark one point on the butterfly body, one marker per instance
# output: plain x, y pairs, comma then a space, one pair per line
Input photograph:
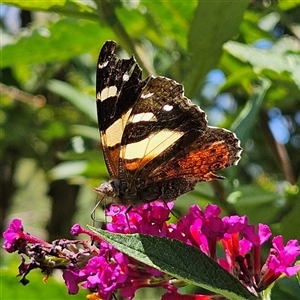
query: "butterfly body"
156, 142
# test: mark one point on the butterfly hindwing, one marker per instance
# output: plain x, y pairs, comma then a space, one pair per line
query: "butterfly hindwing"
213, 150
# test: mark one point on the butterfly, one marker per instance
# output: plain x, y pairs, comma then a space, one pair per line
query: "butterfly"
156, 143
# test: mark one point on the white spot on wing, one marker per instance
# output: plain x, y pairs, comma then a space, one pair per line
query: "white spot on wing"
125, 77
153, 145
143, 96
108, 92
168, 107
149, 116
103, 65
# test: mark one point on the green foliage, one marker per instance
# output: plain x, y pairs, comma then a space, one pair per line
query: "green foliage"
244, 123
82, 102
286, 288
282, 58
49, 131
205, 45
36, 289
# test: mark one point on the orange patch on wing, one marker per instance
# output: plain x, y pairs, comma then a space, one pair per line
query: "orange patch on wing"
135, 164
198, 164
113, 160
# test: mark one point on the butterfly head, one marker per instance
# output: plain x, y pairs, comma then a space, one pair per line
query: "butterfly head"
109, 189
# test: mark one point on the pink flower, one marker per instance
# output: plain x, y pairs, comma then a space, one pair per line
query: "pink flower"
280, 261
106, 276
14, 237
72, 279
12, 233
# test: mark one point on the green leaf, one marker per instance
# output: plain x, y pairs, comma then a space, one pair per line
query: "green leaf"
67, 170
89, 164
87, 155
288, 4
85, 131
179, 260
254, 201
60, 41
242, 76
249, 29
179, 15
68, 7
285, 288
267, 59
290, 223
83, 102
248, 116
207, 35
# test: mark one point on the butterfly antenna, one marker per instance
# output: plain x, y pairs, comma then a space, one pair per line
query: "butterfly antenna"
170, 210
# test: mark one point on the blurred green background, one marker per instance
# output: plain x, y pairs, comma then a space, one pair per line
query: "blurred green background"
238, 60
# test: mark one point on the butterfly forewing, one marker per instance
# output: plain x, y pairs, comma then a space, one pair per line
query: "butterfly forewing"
118, 85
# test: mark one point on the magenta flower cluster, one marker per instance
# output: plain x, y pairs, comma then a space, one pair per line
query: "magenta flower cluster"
101, 268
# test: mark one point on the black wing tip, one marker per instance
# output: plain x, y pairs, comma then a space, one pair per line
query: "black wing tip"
107, 54
109, 46
107, 50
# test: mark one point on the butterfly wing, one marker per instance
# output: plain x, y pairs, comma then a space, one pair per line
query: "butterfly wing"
118, 85
156, 143
167, 147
